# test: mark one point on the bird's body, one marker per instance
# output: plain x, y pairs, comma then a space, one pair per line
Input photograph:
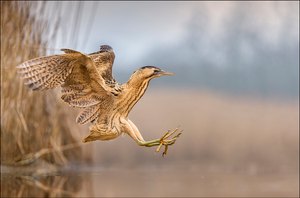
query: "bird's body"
87, 82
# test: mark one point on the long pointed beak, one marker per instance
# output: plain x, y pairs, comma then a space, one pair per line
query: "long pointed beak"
164, 73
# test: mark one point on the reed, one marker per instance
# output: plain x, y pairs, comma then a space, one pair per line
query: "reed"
34, 125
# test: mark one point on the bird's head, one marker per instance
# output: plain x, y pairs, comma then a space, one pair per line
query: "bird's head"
105, 48
149, 72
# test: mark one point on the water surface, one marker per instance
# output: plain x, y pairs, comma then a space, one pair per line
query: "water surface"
87, 181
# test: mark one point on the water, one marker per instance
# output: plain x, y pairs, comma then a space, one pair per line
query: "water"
85, 181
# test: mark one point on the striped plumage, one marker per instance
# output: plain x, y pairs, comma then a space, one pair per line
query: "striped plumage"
87, 83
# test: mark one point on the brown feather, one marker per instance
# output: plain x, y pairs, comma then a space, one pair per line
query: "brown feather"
88, 114
82, 84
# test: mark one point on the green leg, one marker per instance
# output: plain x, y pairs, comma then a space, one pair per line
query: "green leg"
150, 143
163, 141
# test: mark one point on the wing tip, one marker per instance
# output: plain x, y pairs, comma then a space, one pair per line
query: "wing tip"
22, 65
69, 51
33, 86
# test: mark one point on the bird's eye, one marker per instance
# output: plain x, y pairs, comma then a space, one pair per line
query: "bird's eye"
156, 71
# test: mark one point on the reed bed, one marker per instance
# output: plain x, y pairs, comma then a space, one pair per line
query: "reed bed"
38, 136
34, 125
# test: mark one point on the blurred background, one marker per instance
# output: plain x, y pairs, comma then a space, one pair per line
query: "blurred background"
235, 94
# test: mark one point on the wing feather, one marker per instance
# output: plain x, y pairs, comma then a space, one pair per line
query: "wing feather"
104, 61
81, 100
82, 85
46, 72
88, 114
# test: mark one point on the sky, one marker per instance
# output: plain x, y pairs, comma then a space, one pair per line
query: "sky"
133, 28
255, 40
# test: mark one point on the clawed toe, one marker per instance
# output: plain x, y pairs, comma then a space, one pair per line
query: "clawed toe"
167, 142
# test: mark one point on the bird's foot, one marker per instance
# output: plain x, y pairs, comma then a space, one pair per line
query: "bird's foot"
164, 141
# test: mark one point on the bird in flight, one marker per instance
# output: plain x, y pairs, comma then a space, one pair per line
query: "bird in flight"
87, 83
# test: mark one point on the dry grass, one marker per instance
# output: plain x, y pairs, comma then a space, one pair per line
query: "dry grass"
30, 121
37, 134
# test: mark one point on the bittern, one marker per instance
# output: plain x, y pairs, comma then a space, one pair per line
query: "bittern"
87, 83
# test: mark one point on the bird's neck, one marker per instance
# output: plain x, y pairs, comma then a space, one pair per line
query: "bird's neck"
134, 90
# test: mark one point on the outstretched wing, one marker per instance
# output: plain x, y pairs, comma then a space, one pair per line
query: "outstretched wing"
82, 86
104, 60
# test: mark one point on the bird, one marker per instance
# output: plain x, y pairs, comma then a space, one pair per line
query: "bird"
87, 82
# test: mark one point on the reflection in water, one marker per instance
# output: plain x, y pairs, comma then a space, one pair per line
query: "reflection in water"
42, 186
150, 182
